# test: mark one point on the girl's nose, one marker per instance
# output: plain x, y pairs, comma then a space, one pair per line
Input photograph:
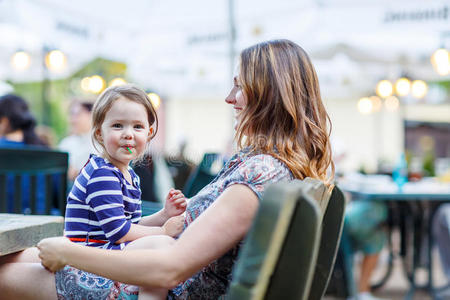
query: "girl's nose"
127, 133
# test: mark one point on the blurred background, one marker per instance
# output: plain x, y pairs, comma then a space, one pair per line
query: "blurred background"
383, 67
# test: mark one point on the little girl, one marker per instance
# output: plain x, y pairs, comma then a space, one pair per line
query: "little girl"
104, 207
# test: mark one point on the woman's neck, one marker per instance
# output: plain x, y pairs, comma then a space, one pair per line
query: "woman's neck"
15, 136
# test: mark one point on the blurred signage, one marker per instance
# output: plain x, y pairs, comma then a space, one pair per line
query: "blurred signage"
418, 15
81, 32
208, 38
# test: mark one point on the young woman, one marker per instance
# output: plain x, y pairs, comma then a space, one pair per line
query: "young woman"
282, 131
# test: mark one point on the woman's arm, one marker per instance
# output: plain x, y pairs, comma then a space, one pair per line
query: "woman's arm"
210, 236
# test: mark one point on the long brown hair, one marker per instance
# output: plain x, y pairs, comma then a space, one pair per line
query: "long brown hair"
284, 115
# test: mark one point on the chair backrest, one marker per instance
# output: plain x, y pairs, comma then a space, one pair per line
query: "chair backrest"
201, 175
34, 171
332, 223
279, 253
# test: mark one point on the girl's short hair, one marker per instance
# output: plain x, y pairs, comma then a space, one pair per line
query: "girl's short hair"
106, 100
284, 115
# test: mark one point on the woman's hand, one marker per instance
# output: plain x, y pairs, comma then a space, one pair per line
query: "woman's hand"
51, 252
174, 226
175, 203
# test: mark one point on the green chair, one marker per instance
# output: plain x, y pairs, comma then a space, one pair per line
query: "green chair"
332, 224
201, 175
33, 162
279, 254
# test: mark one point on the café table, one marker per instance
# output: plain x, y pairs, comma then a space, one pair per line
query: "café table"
411, 208
18, 232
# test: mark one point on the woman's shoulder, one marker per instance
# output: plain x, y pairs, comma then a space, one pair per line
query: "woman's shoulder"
253, 164
266, 160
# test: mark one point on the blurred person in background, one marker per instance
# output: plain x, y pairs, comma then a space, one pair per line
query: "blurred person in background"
79, 143
17, 130
17, 124
362, 232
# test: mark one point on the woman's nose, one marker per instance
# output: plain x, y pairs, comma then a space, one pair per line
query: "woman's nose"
231, 98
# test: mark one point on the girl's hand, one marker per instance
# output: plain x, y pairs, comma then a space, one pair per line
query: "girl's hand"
51, 252
175, 203
174, 226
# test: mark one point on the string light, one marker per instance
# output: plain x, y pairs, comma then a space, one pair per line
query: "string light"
20, 60
402, 86
419, 89
384, 88
55, 60
365, 105
441, 61
117, 81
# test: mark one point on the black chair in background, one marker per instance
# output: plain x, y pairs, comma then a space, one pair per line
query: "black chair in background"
16, 163
201, 175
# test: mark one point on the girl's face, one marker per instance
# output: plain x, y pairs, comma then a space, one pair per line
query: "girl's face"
237, 98
125, 126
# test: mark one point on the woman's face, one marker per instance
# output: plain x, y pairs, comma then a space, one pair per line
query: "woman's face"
80, 119
237, 98
4, 126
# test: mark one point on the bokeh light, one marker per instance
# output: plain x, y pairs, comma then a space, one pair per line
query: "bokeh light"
419, 89
96, 84
391, 103
384, 88
365, 105
55, 60
402, 86
117, 81
155, 99
441, 61
20, 60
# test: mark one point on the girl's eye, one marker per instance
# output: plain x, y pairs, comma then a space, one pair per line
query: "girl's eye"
117, 125
138, 126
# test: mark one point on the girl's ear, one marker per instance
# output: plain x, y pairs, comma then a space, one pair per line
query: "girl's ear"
150, 134
98, 134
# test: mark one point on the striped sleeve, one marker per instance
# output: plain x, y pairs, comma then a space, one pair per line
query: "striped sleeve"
104, 195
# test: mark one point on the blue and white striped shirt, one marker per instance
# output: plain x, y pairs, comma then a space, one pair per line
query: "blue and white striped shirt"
102, 205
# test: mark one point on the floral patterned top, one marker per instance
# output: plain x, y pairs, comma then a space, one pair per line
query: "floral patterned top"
256, 171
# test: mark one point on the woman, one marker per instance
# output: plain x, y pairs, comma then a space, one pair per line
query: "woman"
17, 124
281, 129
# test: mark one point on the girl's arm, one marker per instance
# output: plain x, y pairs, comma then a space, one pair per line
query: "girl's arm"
174, 206
137, 231
210, 236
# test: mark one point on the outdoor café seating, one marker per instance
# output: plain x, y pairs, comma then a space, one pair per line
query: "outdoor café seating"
40, 172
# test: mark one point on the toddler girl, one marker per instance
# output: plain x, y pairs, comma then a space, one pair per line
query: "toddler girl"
104, 207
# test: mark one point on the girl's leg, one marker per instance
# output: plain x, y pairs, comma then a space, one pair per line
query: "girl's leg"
29, 255
26, 281
151, 242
